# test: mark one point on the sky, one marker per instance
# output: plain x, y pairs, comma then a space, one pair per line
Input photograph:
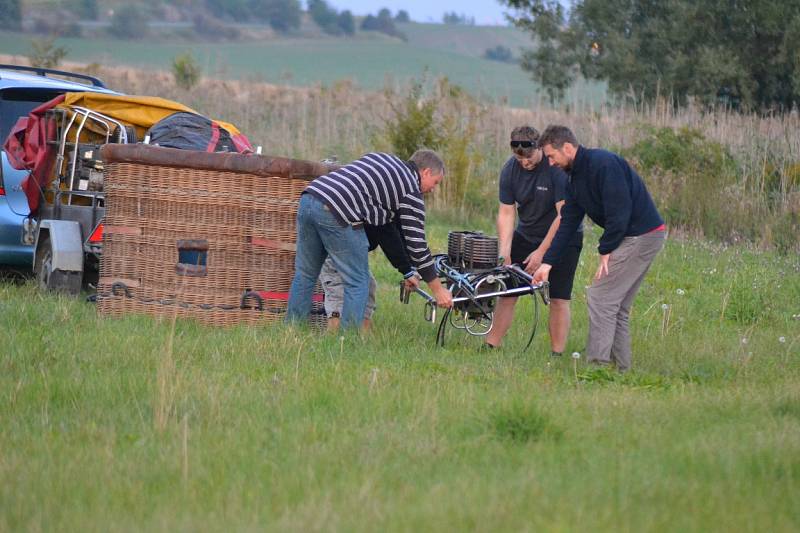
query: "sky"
484, 11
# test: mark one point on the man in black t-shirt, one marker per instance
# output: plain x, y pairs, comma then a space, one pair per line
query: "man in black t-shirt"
533, 191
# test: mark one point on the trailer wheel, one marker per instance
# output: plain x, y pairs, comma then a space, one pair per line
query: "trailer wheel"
54, 280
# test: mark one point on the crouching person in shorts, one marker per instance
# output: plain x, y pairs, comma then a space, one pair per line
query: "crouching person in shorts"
333, 286
390, 240
531, 195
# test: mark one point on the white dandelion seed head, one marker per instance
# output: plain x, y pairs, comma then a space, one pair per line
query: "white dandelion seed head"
744, 340
782, 340
664, 306
576, 355
680, 292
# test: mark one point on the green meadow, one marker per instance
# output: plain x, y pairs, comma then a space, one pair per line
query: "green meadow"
372, 62
136, 424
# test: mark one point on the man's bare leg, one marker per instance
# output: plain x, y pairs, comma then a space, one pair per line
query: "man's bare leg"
559, 324
333, 324
503, 316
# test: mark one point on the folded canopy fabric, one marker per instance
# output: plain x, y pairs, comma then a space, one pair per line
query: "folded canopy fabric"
142, 112
27, 144
27, 149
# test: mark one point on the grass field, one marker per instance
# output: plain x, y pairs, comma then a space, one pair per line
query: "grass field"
119, 425
371, 62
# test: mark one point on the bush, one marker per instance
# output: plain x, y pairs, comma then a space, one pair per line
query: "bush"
414, 125
698, 185
281, 15
324, 16
186, 71
445, 121
346, 22
785, 232
521, 423
129, 22
455, 18
382, 23
690, 178
45, 54
402, 17
213, 29
56, 26
499, 53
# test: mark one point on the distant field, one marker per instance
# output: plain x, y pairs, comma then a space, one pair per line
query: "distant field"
371, 63
465, 40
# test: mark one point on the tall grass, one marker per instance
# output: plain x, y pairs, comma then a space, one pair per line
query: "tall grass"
754, 197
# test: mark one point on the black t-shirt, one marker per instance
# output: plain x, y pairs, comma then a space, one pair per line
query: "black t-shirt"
535, 193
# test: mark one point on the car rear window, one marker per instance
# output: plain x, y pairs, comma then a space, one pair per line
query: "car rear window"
15, 103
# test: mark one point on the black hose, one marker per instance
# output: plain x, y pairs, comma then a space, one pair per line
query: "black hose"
442, 327
535, 321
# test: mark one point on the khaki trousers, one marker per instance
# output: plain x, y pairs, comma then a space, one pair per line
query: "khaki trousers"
611, 297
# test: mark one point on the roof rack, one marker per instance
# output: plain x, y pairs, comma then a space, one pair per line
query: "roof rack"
45, 71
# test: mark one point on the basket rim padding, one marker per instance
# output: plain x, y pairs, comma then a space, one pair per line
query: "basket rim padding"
260, 165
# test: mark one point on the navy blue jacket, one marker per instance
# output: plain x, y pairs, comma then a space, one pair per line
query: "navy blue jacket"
390, 238
604, 186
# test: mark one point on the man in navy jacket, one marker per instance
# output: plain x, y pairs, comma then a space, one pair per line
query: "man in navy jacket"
604, 186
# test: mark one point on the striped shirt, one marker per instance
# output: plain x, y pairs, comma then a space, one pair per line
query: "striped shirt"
375, 189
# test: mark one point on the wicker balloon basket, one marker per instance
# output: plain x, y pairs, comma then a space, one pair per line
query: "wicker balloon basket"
203, 236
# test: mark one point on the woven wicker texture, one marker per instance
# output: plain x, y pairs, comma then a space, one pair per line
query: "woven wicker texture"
192, 241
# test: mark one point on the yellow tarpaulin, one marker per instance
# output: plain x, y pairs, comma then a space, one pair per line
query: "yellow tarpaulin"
142, 112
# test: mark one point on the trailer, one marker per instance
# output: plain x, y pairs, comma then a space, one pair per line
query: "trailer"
67, 234
60, 144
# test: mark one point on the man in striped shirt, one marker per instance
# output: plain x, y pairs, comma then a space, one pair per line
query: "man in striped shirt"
374, 189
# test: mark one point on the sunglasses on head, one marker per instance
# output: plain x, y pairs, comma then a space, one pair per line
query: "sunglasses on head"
523, 144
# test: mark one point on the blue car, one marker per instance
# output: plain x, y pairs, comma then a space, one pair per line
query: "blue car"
22, 89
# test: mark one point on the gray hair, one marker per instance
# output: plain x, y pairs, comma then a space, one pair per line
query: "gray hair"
428, 159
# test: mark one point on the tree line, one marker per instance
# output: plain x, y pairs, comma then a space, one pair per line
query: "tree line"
743, 54
210, 17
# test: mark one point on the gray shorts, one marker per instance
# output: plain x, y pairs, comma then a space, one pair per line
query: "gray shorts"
333, 285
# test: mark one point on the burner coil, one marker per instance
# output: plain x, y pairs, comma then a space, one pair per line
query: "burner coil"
455, 246
480, 252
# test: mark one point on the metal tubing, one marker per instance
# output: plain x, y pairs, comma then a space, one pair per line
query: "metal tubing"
521, 273
519, 291
424, 294
75, 155
63, 145
105, 120
404, 293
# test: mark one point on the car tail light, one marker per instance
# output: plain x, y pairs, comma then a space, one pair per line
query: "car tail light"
2, 191
97, 234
